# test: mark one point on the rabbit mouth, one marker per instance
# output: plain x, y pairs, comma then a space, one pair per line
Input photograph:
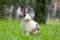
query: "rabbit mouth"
26, 20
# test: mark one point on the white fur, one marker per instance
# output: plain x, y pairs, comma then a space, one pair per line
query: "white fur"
28, 24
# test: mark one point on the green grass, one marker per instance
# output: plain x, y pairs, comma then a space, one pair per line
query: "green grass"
10, 30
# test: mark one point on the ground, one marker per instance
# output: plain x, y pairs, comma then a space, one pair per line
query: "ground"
10, 30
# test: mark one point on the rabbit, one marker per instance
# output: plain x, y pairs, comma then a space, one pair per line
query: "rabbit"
28, 25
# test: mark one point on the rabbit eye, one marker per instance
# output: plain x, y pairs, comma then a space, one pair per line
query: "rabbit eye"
24, 15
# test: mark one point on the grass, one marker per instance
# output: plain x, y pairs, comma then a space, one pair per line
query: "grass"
10, 30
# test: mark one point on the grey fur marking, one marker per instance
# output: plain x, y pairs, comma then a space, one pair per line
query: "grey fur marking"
35, 29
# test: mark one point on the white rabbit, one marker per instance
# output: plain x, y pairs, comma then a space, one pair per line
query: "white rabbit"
29, 26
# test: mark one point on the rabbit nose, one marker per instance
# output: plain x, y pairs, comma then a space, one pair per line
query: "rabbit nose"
27, 19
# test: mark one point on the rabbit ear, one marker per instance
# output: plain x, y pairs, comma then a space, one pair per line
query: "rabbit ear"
27, 10
23, 11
